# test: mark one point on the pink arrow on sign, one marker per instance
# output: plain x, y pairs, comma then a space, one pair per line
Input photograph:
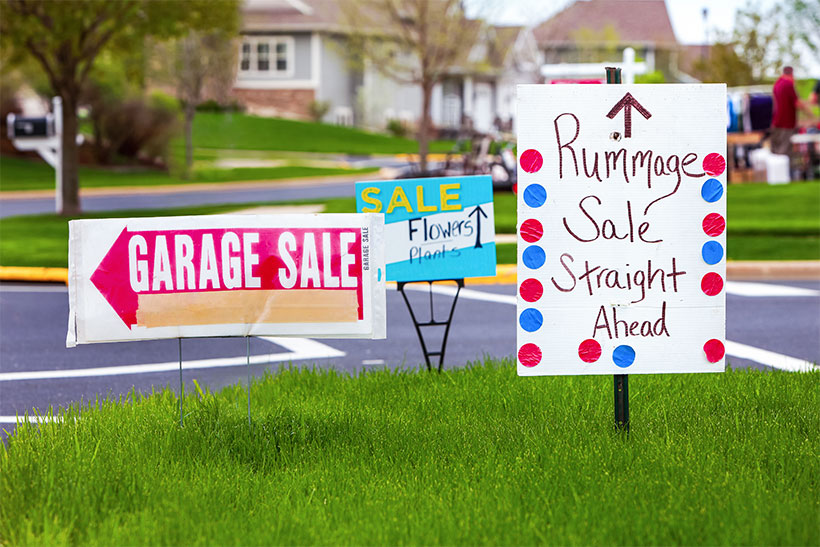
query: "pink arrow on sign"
242, 275
626, 104
111, 279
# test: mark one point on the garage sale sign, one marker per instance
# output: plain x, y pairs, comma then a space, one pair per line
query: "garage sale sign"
435, 228
226, 275
621, 229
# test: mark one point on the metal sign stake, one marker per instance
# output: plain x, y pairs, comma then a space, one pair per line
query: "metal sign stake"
248, 353
432, 322
621, 381
181, 385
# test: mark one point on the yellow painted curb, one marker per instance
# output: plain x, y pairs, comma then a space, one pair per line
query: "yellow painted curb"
21, 273
505, 273
415, 157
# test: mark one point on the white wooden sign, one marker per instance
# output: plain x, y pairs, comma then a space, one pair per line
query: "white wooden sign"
621, 229
226, 275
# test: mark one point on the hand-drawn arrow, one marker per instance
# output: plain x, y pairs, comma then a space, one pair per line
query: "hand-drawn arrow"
626, 103
478, 212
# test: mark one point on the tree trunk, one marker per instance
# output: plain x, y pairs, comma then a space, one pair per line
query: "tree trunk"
190, 111
424, 125
71, 184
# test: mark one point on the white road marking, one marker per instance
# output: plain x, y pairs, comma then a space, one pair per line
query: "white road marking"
737, 288
735, 349
372, 362
470, 294
769, 358
744, 288
300, 349
22, 287
29, 419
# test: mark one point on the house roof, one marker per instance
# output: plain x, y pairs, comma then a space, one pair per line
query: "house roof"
635, 21
690, 55
288, 15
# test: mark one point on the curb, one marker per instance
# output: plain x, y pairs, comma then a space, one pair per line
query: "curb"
506, 274
42, 275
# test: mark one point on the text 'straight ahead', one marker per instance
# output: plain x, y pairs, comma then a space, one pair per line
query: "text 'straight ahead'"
621, 216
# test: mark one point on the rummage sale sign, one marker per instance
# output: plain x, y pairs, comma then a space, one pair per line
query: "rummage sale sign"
621, 229
435, 228
226, 275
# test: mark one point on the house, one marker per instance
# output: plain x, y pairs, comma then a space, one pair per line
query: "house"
588, 34
292, 56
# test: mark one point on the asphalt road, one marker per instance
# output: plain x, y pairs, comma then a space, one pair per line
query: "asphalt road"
768, 325
326, 189
305, 190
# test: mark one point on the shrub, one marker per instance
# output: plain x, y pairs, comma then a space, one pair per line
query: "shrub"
215, 106
132, 129
397, 128
318, 109
654, 77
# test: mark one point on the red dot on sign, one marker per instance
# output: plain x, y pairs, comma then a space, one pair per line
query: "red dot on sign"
529, 355
531, 290
531, 160
714, 350
711, 284
714, 164
531, 230
589, 351
714, 224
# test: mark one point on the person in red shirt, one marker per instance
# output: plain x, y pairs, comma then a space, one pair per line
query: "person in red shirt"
784, 120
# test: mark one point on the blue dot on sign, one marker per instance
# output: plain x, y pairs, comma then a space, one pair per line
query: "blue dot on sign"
623, 356
712, 252
535, 195
711, 190
531, 320
534, 257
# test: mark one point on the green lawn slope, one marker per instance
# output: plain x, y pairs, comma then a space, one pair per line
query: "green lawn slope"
244, 132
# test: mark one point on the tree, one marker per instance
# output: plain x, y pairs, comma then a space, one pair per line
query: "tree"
769, 40
411, 41
723, 65
66, 38
202, 60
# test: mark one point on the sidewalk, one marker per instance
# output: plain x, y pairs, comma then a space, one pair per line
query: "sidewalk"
794, 270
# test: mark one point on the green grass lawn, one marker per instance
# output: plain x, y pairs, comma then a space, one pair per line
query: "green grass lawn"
244, 132
790, 213
24, 174
471, 456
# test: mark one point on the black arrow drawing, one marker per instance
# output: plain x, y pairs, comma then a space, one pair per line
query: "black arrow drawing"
626, 104
478, 211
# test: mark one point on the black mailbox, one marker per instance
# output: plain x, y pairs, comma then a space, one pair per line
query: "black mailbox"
21, 128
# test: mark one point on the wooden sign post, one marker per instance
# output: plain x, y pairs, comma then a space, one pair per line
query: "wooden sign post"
621, 222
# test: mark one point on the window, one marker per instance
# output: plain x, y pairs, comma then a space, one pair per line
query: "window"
281, 57
262, 53
267, 56
245, 57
